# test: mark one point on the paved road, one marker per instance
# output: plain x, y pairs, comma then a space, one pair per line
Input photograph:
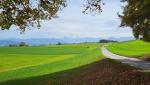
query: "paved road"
145, 65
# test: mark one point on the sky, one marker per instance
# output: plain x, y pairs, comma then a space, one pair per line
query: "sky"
72, 23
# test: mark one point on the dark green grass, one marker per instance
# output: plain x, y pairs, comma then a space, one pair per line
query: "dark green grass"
45, 60
102, 72
135, 48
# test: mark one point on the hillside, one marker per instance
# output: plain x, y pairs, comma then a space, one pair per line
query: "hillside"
136, 48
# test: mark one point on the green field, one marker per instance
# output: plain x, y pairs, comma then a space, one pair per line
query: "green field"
135, 48
25, 62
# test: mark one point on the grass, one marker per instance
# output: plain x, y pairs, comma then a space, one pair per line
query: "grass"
25, 62
70, 64
21, 61
102, 72
135, 48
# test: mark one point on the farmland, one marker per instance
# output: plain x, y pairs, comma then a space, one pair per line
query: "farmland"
25, 62
72, 64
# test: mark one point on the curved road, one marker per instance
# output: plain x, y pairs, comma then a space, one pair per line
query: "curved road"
145, 65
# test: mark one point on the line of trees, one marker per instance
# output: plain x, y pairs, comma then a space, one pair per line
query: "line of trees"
106, 41
21, 44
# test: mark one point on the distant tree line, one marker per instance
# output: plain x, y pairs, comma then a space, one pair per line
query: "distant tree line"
106, 41
21, 44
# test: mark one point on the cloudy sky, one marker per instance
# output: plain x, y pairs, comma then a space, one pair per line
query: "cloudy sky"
73, 24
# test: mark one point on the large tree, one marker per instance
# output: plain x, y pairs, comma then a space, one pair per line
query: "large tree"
24, 13
136, 15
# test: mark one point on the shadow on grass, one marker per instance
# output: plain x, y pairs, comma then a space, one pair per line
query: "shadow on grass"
103, 72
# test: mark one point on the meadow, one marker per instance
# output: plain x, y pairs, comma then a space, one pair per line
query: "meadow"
25, 62
71, 64
135, 48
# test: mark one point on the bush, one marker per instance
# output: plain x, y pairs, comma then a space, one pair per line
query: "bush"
11, 45
59, 43
23, 44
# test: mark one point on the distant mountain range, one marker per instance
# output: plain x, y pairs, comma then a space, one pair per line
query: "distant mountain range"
43, 41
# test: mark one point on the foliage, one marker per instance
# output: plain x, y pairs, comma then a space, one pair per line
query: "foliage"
59, 43
24, 13
23, 44
92, 6
106, 41
136, 15
11, 45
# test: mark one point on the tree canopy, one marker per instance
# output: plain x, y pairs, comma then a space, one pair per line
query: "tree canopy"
24, 13
136, 15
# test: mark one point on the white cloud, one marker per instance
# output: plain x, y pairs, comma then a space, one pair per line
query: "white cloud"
73, 24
